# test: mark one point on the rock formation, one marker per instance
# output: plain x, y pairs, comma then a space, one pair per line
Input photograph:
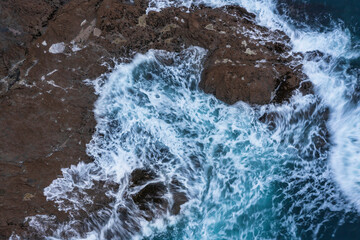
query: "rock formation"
50, 47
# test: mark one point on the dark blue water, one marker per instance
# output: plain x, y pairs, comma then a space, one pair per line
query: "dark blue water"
324, 15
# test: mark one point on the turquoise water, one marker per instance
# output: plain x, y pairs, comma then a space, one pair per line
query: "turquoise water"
242, 180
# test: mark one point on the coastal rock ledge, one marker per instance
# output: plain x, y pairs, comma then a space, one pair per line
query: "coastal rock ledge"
49, 47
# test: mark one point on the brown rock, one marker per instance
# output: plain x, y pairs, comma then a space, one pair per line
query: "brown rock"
97, 32
46, 108
28, 197
142, 20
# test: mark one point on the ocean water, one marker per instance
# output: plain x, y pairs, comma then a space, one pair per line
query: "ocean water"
300, 180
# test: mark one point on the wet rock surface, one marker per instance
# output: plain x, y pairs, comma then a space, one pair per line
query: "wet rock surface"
50, 47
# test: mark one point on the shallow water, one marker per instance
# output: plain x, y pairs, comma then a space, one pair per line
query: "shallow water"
242, 179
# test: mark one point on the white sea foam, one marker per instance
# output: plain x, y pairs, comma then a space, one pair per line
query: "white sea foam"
332, 82
152, 115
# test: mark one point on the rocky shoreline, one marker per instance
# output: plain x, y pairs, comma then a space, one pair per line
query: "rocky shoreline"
50, 47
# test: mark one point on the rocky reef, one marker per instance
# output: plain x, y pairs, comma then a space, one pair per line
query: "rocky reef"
50, 47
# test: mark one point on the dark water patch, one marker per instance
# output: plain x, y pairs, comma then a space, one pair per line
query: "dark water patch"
323, 13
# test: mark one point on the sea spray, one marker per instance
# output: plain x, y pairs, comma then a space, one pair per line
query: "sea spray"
234, 171
332, 73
